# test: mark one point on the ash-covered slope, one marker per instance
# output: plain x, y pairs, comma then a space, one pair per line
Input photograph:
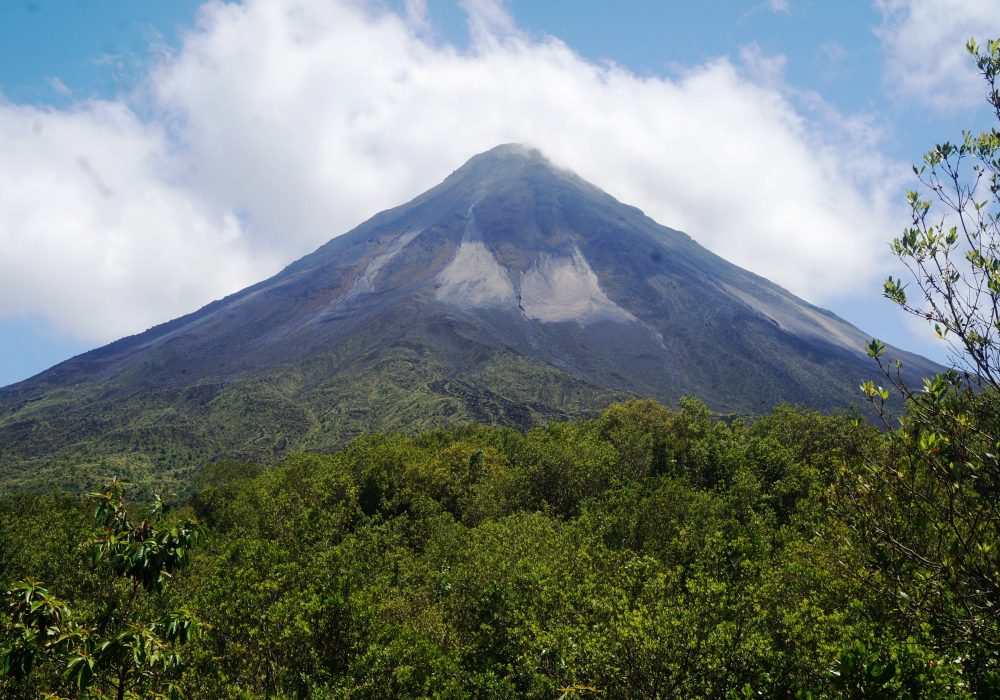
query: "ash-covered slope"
512, 292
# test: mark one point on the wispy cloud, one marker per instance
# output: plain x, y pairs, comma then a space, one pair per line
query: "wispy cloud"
762, 68
924, 41
415, 12
778, 7
830, 56
58, 86
489, 21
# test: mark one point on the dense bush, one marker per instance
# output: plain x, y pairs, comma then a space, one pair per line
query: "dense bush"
646, 553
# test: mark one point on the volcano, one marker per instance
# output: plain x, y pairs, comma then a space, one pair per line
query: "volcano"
514, 293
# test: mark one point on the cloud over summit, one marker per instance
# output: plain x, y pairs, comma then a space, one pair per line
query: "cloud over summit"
277, 125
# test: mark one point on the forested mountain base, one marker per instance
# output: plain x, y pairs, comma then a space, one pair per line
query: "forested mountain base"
158, 440
646, 553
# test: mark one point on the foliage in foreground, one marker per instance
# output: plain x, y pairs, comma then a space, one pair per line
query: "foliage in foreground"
930, 504
122, 646
647, 553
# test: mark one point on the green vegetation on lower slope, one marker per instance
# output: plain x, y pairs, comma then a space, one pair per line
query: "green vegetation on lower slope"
643, 553
78, 437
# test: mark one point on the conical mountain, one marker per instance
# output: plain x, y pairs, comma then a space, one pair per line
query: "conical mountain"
513, 292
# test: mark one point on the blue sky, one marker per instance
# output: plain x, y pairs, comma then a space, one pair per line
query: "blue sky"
154, 161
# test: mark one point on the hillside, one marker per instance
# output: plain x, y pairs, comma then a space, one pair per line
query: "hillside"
513, 293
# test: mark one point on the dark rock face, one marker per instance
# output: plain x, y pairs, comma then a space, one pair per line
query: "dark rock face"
512, 292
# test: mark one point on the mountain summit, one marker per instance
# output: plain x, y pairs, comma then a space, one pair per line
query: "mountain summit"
513, 292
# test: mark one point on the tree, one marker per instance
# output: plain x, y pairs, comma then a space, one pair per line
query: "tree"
952, 251
927, 497
126, 649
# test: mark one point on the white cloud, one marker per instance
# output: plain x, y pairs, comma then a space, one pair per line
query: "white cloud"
925, 45
312, 116
307, 116
783, 6
94, 238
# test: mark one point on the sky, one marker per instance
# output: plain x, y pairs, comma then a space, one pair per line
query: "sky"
156, 156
